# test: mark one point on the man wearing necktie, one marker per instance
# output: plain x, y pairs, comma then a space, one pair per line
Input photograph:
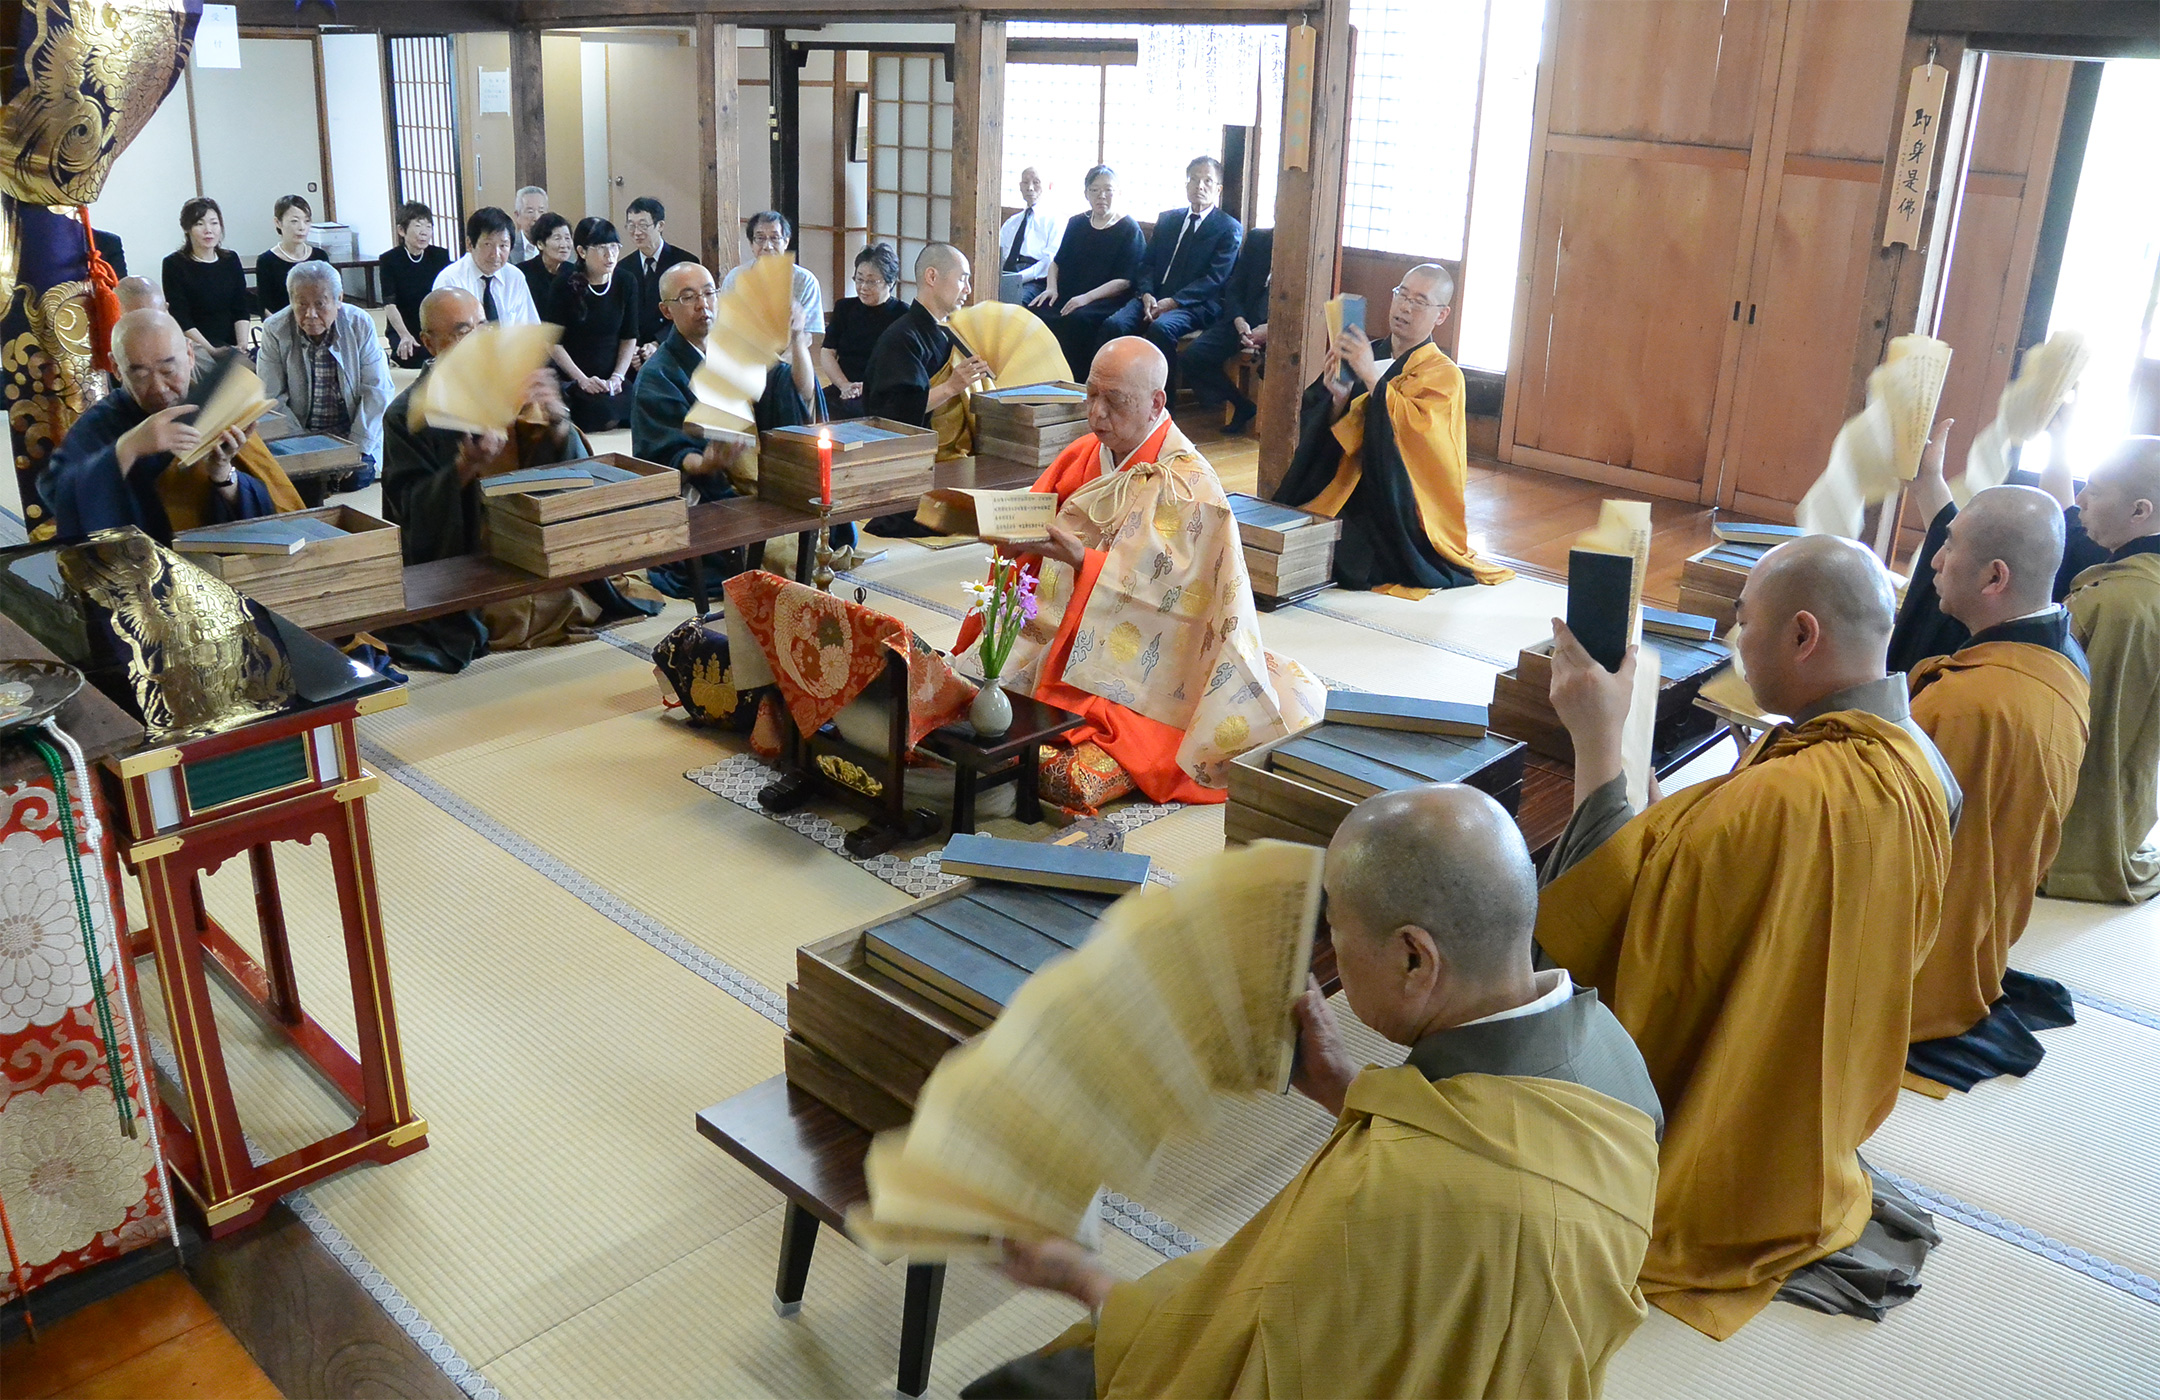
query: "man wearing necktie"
1030, 239
648, 256
486, 274
1188, 261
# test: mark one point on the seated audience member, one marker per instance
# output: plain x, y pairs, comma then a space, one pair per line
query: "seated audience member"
1146, 625
1240, 325
1091, 278
1181, 277
1475, 1222
1758, 935
595, 302
856, 324
768, 233
408, 273
526, 208
1027, 242
662, 399
1388, 456
556, 238
2107, 846
650, 255
431, 492
2009, 711
503, 293
115, 466
204, 282
295, 220
323, 363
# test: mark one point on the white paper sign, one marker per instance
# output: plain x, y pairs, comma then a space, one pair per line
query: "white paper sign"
217, 37
1912, 154
494, 92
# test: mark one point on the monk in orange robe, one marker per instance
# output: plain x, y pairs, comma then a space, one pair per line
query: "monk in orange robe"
1758, 934
2010, 711
1146, 624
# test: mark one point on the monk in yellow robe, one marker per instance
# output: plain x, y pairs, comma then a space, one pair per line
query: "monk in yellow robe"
1475, 1224
1392, 462
2008, 709
1758, 935
2108, 851
1146, 623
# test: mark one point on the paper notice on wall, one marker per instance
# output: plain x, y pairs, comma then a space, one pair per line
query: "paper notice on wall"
494, 92
217, 37
1913, 151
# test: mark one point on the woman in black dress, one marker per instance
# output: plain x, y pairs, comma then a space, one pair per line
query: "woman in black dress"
855, 325
294, 219
597, 310
408, 274
1093, 272
556, 240
204, 284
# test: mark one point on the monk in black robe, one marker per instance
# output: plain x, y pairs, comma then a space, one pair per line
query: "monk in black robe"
1387, 455
904, 380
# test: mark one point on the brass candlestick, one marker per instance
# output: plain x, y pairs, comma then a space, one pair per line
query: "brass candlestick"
821, 577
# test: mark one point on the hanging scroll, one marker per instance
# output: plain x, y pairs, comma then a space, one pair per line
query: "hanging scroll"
1914, 152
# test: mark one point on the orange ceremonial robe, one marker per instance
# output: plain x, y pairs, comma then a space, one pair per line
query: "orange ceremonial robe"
2010, 717
1757, 934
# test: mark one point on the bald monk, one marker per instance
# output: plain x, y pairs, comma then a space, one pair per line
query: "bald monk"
1146, 623
430, 490
2107, 839
1392, 462
2009, 712
1474, 1225
1758, 934
117, 464
913, 376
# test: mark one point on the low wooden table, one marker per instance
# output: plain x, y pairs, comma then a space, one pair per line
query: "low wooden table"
814, 1157
1011, 757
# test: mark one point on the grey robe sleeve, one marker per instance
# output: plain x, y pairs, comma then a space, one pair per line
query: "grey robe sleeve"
1605, 812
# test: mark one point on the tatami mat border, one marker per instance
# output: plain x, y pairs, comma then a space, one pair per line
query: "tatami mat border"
736, 983
2116, 1008
2030, 1240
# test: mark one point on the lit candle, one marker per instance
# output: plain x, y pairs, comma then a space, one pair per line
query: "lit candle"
824, 467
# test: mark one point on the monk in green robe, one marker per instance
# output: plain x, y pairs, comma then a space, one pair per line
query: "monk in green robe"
2008, 709
2107, 839
1474, 1225
1758, 934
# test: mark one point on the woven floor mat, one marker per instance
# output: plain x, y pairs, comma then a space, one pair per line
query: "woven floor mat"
2109, 951
2069, 1150
1990, 1319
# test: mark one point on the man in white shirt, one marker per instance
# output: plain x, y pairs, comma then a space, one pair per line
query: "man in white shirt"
486, 271
1027, 244
525, 209
769, 233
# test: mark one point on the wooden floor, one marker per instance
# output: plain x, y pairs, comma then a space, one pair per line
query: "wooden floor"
319, 1333
159, 1338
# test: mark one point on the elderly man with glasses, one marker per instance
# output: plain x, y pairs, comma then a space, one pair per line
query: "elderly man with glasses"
1381, 446
322, 361
769, 233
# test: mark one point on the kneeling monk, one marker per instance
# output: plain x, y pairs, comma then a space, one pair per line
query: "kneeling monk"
2009, 711
1392, 463
1146, 623
1475, 1223
1758, 934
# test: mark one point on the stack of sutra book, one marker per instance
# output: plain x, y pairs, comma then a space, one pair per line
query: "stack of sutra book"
871, 1012
1289, 553
1710, 581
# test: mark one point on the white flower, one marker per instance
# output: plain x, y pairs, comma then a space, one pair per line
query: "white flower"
43, 974
66, 1171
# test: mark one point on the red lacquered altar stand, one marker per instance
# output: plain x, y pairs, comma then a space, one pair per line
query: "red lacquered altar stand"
185, 810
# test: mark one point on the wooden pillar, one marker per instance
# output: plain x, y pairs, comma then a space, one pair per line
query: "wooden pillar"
528, 108
719, 144
978, 156
1308, 223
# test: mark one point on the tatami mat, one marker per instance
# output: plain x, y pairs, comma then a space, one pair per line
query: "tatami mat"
572, 1236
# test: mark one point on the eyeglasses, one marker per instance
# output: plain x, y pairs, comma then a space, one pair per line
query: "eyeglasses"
690, 301
1419, 302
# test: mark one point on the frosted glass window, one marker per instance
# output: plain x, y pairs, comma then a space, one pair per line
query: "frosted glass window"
941, 120
915, 125
1149, 146
941, 173
888, 71
915, 84
915, 172
887, 216
914, 216
888, 124
888, 167
941, 220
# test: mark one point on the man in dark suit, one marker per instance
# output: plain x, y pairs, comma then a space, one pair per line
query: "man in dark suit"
1240, 324
649, 255
1188, 260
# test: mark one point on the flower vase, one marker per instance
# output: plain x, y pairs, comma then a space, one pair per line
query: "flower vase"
991, 710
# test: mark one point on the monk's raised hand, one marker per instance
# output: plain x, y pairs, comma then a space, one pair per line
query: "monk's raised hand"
163, 431
972, 368
1324, 1068
1060, 1266
1065, 547
1354, 350
1930, 493
1592, 702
